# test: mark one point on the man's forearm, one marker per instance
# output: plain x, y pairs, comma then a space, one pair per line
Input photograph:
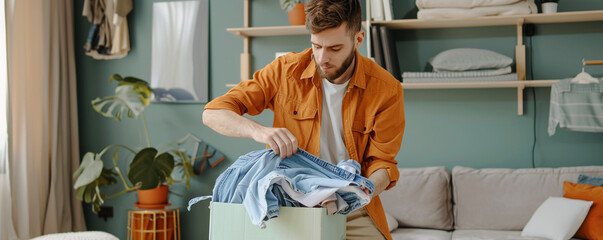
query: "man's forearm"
230, 124
380, 179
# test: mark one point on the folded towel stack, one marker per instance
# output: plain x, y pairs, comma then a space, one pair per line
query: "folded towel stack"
465, 65
433, 9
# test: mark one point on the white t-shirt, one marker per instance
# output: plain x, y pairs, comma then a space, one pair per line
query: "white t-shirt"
332, 145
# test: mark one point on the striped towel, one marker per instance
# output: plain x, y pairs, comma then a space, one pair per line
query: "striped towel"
504, 77
457, 74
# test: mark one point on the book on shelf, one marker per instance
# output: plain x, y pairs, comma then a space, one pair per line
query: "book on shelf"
376, 46
390, 55
377, 10
388, 12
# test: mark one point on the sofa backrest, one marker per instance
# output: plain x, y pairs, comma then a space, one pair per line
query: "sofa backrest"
421, 198
505, 199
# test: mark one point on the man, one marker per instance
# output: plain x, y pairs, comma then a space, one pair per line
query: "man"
328, 100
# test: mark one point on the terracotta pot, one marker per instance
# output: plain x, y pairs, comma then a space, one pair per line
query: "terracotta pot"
155, 196
297, 16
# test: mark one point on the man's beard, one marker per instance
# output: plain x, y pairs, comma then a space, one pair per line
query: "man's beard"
332, 76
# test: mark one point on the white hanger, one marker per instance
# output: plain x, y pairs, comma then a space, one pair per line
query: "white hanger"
584, 77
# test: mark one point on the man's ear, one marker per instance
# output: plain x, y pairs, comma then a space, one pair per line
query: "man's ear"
359, 38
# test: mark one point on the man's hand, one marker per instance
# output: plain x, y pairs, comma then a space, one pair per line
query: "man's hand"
281, 140
228, 123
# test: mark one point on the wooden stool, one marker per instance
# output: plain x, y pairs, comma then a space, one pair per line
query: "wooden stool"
158, 224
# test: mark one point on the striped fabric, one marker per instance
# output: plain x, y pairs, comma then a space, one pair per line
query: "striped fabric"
504, 77
577, 107
457, 74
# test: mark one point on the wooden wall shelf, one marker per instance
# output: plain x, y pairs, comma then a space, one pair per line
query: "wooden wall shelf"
561, 17
269, 31
247, 32
461, 85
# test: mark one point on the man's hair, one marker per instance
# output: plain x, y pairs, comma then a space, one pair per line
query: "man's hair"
324, 14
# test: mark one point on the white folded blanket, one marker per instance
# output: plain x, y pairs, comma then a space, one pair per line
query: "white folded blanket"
519, 8
422, 4
504, 77
450, 74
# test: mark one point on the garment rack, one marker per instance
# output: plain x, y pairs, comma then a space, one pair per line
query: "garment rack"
591, 62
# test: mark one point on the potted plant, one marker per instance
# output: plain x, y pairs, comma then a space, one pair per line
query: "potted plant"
149, 169
295, 10
549, 6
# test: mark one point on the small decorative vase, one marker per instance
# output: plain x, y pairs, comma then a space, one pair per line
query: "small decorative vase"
549, 7
297, 16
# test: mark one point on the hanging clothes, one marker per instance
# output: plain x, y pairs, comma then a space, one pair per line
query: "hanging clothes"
108, 36
576, 106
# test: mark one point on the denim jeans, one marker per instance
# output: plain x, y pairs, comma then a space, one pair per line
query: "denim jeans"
263, 181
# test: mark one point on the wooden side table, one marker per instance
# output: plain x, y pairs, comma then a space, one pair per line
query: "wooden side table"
160, 224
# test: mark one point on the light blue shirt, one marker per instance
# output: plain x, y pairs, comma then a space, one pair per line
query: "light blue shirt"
576, 106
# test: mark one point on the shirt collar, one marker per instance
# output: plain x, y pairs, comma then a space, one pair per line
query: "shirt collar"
357, 80
566, 86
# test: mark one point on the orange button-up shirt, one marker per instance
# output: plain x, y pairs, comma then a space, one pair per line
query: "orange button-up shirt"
372, 112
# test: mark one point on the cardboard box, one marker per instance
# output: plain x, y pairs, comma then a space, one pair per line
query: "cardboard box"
230, 221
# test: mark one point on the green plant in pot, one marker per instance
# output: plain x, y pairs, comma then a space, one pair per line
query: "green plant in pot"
295, 11
149, 168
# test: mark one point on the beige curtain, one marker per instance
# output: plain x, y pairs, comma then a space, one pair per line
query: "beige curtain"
43, 129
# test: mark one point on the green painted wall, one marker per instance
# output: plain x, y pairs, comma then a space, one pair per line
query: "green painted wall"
475, 128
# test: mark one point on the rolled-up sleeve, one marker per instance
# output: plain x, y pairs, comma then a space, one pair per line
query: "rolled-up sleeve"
254, 95
386, 138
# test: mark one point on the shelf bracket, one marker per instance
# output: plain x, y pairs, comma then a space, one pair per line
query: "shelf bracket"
245, 56
520, 89
520, 65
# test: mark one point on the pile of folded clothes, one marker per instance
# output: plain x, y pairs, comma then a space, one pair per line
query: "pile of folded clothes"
433, 9
262, 181
465, 65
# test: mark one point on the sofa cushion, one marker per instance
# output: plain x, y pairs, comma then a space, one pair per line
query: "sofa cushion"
557, 218
505, 199
420, 234
392, 223
592, 227
421, 198
585, 179
490, 235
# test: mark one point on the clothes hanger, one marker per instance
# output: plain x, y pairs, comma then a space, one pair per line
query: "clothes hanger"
584, 77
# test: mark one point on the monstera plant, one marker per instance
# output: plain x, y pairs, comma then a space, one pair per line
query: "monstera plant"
148, 168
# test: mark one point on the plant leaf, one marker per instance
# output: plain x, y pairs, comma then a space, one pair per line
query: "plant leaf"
91, 193
131, 96
86, 160
91, 167
150, 169
288, 5
80, 192
140, 86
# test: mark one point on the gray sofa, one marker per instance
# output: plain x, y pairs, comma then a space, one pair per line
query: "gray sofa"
433, 203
